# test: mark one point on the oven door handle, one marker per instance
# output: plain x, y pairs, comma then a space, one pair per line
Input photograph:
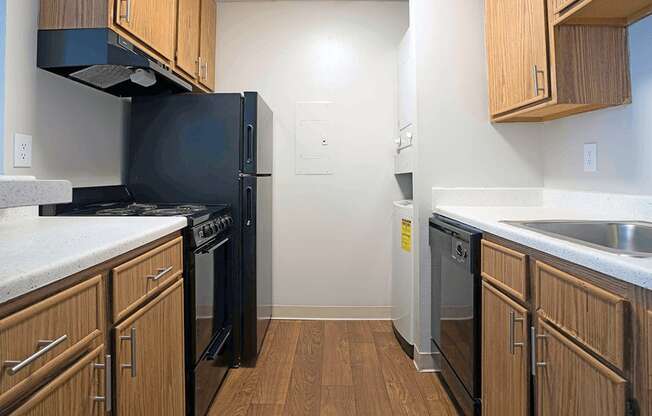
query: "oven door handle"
213, 247
219, 343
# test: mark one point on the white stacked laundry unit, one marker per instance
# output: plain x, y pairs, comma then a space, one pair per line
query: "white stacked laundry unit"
407, 106
403, 274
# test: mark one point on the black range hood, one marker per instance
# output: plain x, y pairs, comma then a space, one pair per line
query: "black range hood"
103, 60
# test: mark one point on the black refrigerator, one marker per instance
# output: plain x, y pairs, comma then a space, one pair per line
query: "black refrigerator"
215, 149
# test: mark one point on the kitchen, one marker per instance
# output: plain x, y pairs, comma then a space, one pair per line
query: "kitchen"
351, 113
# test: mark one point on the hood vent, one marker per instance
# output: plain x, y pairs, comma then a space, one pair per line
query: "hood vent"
103, 60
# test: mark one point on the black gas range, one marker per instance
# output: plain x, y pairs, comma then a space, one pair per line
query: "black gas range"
210, 291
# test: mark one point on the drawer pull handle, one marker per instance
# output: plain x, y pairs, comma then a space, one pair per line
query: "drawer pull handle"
132, 338
161, 272
45, 347
108, 397
512, 341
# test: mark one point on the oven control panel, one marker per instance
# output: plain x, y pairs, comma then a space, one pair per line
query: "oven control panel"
211, 228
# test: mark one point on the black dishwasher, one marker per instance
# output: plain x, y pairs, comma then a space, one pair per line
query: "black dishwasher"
456, 296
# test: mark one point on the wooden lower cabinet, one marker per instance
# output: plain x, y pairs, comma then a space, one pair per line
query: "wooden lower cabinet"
80, 390
505, 379
570, 382
150, 379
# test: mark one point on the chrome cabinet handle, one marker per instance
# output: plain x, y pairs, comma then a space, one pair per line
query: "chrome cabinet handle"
205, 66
127, 16
512, 341
132, 338
199, 67
535, 337
45, 347
535, 74
108, 395
161, 272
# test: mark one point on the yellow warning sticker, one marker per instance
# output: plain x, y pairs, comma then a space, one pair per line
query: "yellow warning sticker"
406, 235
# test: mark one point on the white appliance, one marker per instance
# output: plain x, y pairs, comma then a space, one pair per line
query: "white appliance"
407, 106
403, 274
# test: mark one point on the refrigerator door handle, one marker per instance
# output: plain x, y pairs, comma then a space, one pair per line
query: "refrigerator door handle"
250, 144
250, 202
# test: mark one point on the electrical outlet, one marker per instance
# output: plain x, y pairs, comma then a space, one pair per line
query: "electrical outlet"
590, 157
22, 151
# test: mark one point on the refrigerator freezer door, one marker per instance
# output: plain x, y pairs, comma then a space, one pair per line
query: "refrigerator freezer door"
258, 136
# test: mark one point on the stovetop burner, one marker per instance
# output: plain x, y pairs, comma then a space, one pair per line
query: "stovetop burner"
120, 212
152, 210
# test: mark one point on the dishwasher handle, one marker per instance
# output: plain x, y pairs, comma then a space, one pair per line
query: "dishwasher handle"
454, 229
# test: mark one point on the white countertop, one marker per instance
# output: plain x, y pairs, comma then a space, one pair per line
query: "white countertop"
21, 191
35, 252
637, 271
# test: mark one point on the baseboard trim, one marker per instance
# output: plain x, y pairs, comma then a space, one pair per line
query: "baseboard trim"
426, 362
331, 312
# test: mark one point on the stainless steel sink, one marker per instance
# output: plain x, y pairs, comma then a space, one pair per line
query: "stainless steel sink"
627, 238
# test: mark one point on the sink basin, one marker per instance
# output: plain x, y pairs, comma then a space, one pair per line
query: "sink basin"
627, 238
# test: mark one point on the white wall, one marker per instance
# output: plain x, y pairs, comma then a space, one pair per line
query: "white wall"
332, 233
623, 134
78, 133
458, 146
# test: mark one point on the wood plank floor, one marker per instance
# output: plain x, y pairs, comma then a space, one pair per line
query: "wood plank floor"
331, 368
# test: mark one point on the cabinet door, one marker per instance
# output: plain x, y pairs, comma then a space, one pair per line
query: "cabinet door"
150, 358
559, 5
151, 21
571, 382
80, 390
516, 33
188, 37
504, 355
207, 51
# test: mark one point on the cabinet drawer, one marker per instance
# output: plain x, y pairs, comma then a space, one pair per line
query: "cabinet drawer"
144, 276
505, 268
47, 335
589, 314
72, 392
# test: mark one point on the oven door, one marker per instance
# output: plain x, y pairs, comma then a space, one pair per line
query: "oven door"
212, 271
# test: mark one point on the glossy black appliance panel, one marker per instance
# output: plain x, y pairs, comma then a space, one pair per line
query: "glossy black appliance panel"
211, 288
456, 297
215, 148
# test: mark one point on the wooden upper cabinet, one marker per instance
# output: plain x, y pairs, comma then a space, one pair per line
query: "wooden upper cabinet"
188, 37
559, 5
150, 379
601, 12
517, 53
505, 385
151, 21
571, 382
208, 46
540, 70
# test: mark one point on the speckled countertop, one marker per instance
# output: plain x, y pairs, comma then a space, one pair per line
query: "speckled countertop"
20, 191
637, 271
37, 251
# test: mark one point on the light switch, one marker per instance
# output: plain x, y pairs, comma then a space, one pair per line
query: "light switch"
22, 151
